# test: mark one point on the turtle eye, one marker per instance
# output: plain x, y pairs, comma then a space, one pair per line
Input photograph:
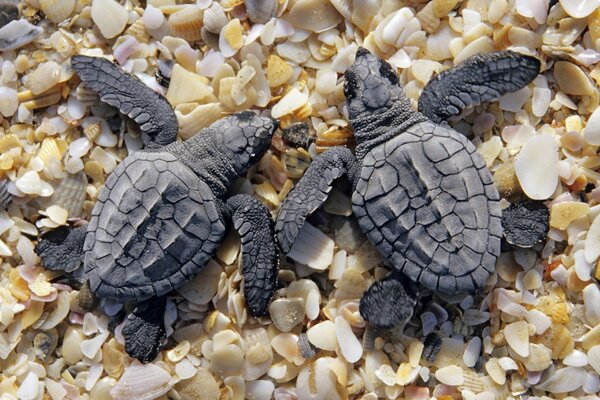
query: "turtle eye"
387, 72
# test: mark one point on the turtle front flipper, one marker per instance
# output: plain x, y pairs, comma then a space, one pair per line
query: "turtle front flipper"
311, 192
62, 248
133, 98
479, 79
389, 303
260, 258
144, 329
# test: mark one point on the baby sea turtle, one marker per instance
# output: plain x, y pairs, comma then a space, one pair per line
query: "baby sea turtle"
421, 192
163, 211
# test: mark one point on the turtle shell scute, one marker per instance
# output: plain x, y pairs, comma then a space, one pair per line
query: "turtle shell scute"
154, 230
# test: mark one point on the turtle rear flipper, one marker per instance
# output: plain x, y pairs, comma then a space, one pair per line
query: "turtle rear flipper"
150, 110
62, 249
144, 329
480, 79
260, 259
389, 303
312, 191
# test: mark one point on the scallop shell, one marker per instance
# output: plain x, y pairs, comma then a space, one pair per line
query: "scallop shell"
142, 382
214, 18
261, 11
57, 10
187, 23
5, 197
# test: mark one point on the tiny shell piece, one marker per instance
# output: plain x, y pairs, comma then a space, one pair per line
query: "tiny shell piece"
142, 382
572, 80
594, 358
323, 335
450, 375
536, 167
261, 11
317, 381
57, 10
579, 8
18, 33
592, 128
349, 344
110, 17
565, 212
517, 337
313, 248
314, 15
287, 313
592, 242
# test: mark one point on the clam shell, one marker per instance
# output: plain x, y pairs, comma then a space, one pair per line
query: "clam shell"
142, 382
261, 11
70, 194
57, 10
110, 17
187, 23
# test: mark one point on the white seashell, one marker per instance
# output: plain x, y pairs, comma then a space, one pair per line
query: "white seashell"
312, 306
215, 18
286, 345
323, 336
564, 380
592, 128
57, 10
344, 58
350, 346
18, 33
495, 371
592, 383
91, 347
187, 87
259, 355
314, 15
541, 101
517, 337
110, 17
312, 247
317, 381
514, 101
30, 387
539, 358
185, 369
540, 320
536, 167
186, 23
259, 390
209, 65
45, 76
593, 356
415, 351
579, 8
286, 313
71, 345
153, 18
200, 117
576, 358
9, 102
450, 375
508, 364
472, 352
142, 382
591, 301
536, 9
55, 389
592, 242
261, 11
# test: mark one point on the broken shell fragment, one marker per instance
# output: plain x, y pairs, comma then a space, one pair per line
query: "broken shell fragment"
536, 167
18, 33
110, 17
142, 381
187, 23
57, 10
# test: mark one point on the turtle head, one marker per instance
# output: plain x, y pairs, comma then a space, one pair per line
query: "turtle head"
244, 138
371, 87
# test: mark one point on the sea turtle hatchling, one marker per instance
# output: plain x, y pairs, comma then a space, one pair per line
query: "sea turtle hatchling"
421, 192
163, 211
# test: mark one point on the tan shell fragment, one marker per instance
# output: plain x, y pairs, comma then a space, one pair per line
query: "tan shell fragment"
572, 80
186, 87
142, 382
318, 381
203, 385
57, 10
44, 77
539, 358
563, 213
441, 8
278, 71
558, 339
193, 118
187, 23
314, 15
110, 17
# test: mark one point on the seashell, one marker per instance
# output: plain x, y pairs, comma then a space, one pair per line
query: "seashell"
472, 352
112, 358
286, 345
450, 375
540, 320
202, 385
259, 355
9, 101
576, 359
70, 194
278, 71
579, 8
57, 10
266, 192
153, 18
187, 23
314, 15
231, 38
29, 388
537, 174
71, 345
42, 100
214, 18
591, 301
44, 344
572, 80
441, 8
564, 380
406, 374
591, 338
564, 213
193, 118
137, 31
262, 389
58, 313
261, 11
187, 87
44, 77
350, 346
286, 313
334, 136
110, 17
18, 33
295, 162
312, 248
323, 336
305, 348
558, 339
142, 381
536, 9
592, 242
316, 381
592, 128
495, 371
203, 287
593, 356
5, 196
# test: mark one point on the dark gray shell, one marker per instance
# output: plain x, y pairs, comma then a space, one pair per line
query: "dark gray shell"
428, 203
155, 225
